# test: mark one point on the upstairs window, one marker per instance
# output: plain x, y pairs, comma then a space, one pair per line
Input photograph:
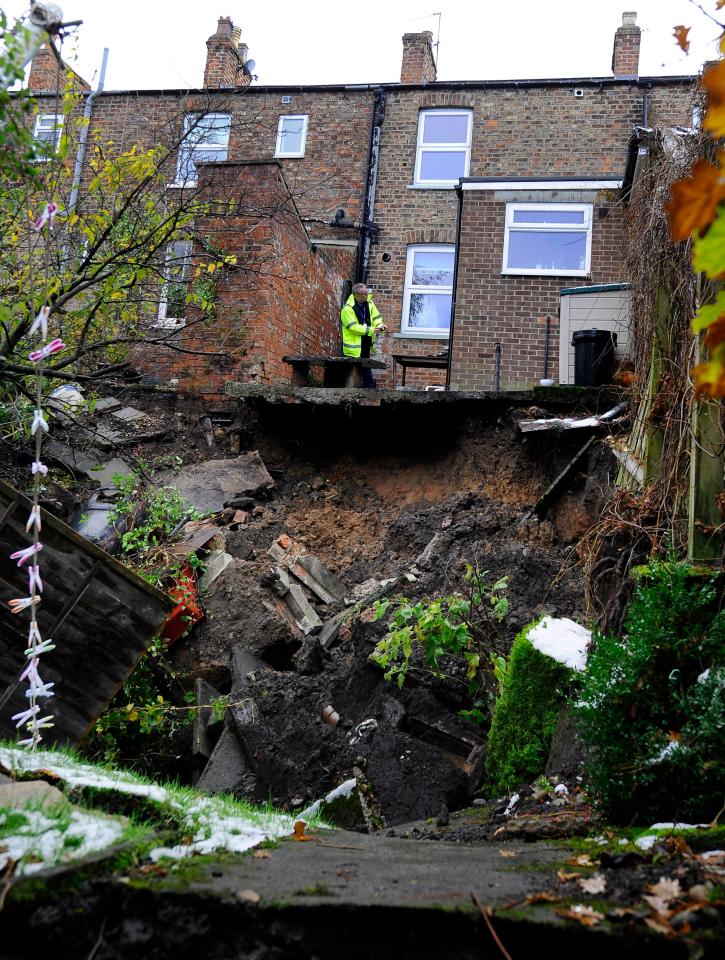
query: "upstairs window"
47, 134
428, 290
205, 138
172, 308
291, 136
444, 147
548, 238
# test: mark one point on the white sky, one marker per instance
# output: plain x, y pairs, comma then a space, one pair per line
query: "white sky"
161, 43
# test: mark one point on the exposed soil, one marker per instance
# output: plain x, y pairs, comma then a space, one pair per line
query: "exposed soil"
369, 519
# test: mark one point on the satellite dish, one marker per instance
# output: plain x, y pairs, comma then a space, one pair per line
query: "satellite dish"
249, 67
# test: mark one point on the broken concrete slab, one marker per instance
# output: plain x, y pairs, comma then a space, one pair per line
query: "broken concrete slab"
37, 792
241, 665
212, 484
106, 405
316, 577
194, 540
216, 564
227, 765
331, 630
204, 719
292, 594
78, 462
128, 414
435, 549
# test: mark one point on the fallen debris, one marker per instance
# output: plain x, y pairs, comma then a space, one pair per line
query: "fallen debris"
213, 484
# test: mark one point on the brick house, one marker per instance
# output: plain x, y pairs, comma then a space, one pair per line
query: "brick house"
467, 206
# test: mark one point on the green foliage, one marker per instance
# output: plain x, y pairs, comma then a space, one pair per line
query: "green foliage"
535, 688
457, 629
652, 708
152, 514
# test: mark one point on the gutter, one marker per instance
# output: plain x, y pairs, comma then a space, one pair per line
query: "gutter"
85, 127
459, 217
408, 87
367, 228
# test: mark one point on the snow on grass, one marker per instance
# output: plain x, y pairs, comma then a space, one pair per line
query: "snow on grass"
561, 639
76, 773
344, 790
204, 824
41, 838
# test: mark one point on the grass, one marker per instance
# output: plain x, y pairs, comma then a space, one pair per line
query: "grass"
192, 822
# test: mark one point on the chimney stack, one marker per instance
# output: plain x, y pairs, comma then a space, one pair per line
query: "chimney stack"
418, 65
223, 62
47, 75
625, 57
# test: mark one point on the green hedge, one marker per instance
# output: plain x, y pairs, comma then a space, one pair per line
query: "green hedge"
534, 690
652, 710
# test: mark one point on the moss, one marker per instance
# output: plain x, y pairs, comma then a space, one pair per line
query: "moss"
526, 714
317, 890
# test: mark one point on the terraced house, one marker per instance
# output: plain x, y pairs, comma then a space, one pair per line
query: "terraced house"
488, 217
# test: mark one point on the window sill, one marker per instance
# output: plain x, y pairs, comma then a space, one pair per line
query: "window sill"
407, 335
581, 275
289, 156
168, 325
189, 185
432, 186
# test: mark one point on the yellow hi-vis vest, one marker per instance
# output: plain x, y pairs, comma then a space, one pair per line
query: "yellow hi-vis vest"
353, 331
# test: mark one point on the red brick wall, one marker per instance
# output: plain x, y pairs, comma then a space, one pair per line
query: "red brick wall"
491, 307
625, 56
538, 131
281, 298
46, 74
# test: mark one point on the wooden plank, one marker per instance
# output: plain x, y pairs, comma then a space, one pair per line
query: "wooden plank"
100, 615
557, 487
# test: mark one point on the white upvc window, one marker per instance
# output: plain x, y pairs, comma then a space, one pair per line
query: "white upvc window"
206, 137
172, 308
443, 152
291, 136
548, 238
428, 290
47, 133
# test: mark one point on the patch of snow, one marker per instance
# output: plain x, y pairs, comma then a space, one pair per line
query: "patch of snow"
563, 640
215, 831
712, 853
646, 842
703, 676
512, 803
344, 790
45, 839
562, 789
666, 751
679, 826
78, 774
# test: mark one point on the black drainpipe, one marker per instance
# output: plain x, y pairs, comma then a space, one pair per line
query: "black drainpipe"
459, 217
362, 267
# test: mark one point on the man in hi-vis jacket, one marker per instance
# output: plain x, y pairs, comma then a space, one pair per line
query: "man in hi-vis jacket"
361, 321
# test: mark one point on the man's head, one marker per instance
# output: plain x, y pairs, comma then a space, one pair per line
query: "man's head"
360, 292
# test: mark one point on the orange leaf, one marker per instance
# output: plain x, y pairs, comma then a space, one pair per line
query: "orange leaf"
713, 338
720, 4
713, 80
695, 200
710, 378
299, 833
680, 34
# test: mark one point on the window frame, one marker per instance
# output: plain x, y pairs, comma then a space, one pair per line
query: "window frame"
410, 288
194, 120
421, 147
57, 127
173, 258
291, 154
510, 226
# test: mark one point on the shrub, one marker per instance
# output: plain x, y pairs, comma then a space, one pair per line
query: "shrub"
652, 709
534, 689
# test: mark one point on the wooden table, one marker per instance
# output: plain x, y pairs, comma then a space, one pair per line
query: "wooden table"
405, 360
337, 371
